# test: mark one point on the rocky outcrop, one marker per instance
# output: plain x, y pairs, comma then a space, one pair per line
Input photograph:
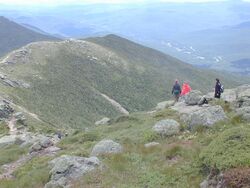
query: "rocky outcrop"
106, 147
205, 116
103, 121
66, 169
8, 140
5, 110
164, 104
167, 127
244, 112
193, 97
41, 144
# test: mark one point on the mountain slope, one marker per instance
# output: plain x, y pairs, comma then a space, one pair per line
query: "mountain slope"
73, 83
13, 36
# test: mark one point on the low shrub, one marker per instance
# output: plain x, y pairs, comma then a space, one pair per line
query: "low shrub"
228, 150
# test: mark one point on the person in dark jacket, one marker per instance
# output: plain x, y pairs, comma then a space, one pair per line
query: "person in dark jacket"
176, 91
217, 89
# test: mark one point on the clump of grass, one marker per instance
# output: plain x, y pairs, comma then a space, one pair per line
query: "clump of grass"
3, 128
229, 149
150, 136
237, 119
125, 118
173, 152
167, 113
11, 153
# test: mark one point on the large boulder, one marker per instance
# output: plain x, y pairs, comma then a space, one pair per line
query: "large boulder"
193, 97
66, 169
167, 127
206, 116
103, 121
163, 105
106, 147
243, 96
244, 112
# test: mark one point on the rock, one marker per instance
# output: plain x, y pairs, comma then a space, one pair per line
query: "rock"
243, 91
206, 116
40, 145
106, 147
67, 168
163, 105
193, 97
229, 95
167, 127
5, 110
204, 184
244, 112
103, 121
151, 144
19, 117
8, 140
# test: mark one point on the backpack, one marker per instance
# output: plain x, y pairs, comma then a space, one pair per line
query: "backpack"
221, 88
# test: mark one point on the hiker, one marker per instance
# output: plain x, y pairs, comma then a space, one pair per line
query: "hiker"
176, 91
218, 89
185, 89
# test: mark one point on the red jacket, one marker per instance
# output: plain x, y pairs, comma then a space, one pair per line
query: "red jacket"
185, 89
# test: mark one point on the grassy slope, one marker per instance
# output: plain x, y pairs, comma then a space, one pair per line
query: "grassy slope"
67, 78
13, 36
180, 161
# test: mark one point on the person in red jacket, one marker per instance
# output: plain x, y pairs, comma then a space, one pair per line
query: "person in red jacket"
185, 89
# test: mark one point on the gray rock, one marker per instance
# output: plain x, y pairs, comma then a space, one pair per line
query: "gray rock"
103, 121
8, 140
106, 147
163, 105
244, 112
5, 110
206, 116
243, 91
40, 145
193, 97
67, 168
229, 95
167, 127
204, 184
151, 144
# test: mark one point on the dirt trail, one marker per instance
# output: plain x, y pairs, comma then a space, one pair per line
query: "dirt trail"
9, 169
12, 126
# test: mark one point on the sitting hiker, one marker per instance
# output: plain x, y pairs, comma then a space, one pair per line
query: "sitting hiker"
203, 101
176, 91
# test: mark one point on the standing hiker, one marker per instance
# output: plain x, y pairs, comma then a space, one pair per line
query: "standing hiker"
176, 91
185, 89
218, 89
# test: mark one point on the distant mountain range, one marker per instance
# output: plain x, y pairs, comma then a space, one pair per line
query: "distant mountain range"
13, 36
218, 31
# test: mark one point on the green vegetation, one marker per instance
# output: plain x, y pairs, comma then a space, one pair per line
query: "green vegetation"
228, 150
11, 153
67, 79
34, 174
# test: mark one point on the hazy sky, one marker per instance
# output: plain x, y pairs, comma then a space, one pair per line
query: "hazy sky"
63, 2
